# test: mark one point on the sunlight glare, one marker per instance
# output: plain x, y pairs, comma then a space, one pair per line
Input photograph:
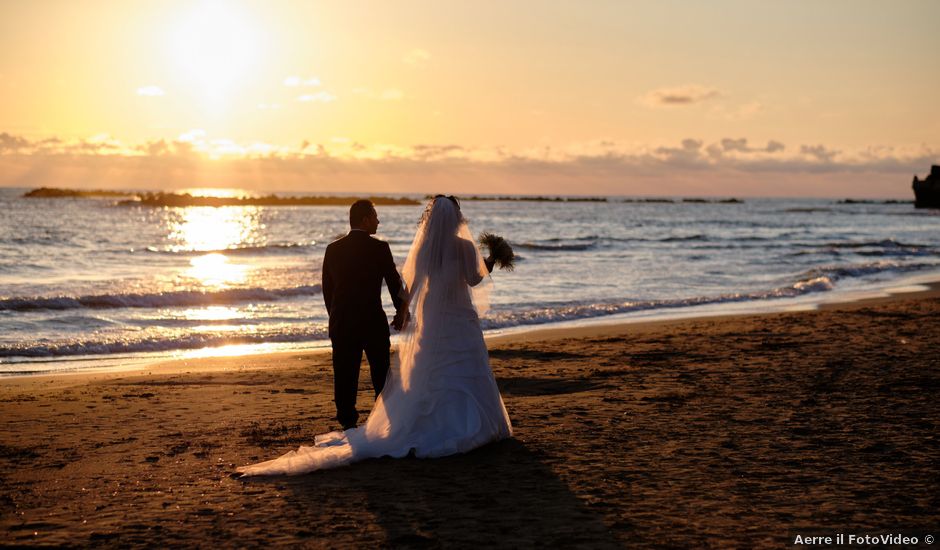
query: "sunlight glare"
206, 228
212, 313
231, 350
213, 230
216, 45
214, 270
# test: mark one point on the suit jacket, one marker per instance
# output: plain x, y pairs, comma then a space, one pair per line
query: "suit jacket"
353, 269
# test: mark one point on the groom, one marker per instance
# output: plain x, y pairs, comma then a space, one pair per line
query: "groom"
353, 269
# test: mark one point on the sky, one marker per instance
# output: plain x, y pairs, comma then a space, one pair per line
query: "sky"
832, 98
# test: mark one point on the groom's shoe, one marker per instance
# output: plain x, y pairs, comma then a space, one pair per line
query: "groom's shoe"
347, 422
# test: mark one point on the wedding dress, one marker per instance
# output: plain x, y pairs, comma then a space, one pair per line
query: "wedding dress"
440, 397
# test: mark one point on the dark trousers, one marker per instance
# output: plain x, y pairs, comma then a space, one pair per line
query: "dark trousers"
347, 357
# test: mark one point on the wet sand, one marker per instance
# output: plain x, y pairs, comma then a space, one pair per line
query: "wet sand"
716, 431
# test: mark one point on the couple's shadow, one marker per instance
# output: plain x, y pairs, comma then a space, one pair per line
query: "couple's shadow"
503, 493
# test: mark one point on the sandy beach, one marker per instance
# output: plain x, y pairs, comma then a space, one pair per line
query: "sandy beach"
716, 431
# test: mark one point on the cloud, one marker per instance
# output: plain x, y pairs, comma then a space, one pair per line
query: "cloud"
438, 152
741, 145
12, 144
689, 154
296, 81
729, 144
774, 147
688, 168
819, 152
195, 134
150, 91
416, 56
677, 96
322, 97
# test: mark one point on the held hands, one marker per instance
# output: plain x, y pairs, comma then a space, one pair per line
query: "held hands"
400, 322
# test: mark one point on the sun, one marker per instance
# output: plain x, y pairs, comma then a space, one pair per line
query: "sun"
216, 45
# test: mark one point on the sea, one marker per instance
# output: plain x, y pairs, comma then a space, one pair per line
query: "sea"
88, 283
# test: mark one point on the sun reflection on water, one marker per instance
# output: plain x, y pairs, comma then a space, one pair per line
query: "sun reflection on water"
215, 230
205, 228
212, 313
215, 270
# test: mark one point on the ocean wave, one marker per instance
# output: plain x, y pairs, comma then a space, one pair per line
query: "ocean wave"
281, 248
157, 344
688, 238
573, 247
882, 248
822, 279
572, 312
897, 252
698, 240
579, 244
884, 243
837, 272
806, 210
181, 298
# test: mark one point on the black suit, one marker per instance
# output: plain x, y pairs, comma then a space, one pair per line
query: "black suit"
353, 269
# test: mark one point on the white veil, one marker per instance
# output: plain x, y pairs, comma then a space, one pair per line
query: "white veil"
444, 273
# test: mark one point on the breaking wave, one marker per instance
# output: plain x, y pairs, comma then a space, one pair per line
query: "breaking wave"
182, 298
157, 344
815, 280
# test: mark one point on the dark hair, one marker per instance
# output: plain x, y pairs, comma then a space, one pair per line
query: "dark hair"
362, 208
433, 201
452, 198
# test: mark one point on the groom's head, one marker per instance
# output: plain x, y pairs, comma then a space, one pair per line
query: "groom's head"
362, 216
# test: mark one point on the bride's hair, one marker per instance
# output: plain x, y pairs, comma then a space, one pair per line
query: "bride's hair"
423, 222
451, 198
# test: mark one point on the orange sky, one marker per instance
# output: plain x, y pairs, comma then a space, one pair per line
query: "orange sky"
724, 98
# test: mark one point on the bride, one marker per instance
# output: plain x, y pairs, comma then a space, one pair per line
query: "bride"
440, 398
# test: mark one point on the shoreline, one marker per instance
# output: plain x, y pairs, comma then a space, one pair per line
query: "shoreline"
712, 431
925, 285
579, 329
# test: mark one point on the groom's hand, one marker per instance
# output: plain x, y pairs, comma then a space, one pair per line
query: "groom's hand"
401, 319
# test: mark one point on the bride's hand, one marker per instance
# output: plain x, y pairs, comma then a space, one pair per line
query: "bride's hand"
490, 262
401, 319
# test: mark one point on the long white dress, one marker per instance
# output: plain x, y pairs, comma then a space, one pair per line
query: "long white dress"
440, 397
